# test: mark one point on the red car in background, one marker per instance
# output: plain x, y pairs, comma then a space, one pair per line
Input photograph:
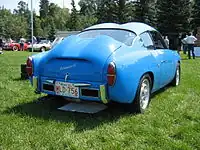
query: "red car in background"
15, 46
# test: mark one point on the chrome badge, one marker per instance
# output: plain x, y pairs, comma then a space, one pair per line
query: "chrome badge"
67, 67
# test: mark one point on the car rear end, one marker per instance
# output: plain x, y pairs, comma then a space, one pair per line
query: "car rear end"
74, 81
81, 75
81, 67
7, 46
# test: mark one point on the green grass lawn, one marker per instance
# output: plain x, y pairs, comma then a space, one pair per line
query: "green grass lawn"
171, 122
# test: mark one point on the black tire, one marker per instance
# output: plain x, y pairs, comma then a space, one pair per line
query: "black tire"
23, 68
177, 76
137, 106
15, 48
24, 76
43, 49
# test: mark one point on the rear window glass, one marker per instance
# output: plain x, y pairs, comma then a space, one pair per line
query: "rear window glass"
123, 36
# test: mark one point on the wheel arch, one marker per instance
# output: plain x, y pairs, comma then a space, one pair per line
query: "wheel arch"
179, 63
151, 76
16, 46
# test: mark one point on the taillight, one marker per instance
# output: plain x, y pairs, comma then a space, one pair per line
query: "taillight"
29, 67
111, 74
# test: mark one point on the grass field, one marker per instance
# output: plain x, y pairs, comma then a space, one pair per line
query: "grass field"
27, 121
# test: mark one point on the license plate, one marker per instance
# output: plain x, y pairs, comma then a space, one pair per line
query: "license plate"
66, 89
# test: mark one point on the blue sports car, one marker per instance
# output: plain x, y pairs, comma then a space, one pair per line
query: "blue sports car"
123, 63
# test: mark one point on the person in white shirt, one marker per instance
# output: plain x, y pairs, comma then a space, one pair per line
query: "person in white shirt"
190, 40
166, 41
185, 47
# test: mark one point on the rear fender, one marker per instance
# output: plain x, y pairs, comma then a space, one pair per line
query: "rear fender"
129, 69
36, 61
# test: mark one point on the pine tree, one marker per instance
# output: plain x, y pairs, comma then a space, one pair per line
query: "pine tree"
37, 26
88, 7
173, 19
52, 31
195, 22
144, 11
74, 20
105, 13
22, 9
173, 16
112, 11
122, 11
44, 8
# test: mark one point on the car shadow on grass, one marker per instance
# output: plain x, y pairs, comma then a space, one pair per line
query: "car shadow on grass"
46, 108
160, 91
20, 79
184, 58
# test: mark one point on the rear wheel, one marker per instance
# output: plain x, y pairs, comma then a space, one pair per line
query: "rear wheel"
142, 98
43, 49
15, 48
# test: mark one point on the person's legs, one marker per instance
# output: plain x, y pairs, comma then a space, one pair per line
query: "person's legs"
184, 49
22, 46
192, 49
189, 49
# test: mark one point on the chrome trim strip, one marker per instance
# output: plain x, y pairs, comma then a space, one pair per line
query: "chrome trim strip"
81, 84
49, 81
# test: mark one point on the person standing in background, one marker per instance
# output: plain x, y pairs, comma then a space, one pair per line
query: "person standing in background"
179, 43
22, 40
185, 47
1, 46
166, 41
190, 40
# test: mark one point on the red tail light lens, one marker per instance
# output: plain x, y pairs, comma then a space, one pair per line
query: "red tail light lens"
111, 74
29, 67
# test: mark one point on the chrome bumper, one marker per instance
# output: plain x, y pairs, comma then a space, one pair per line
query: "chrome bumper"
35, 82
103, 94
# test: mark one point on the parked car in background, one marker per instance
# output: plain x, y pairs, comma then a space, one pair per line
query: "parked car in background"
107, 62
15, 46
42, 46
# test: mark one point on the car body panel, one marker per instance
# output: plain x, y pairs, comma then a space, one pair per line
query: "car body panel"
85, 61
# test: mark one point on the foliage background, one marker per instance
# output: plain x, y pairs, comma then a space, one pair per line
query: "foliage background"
169, 16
